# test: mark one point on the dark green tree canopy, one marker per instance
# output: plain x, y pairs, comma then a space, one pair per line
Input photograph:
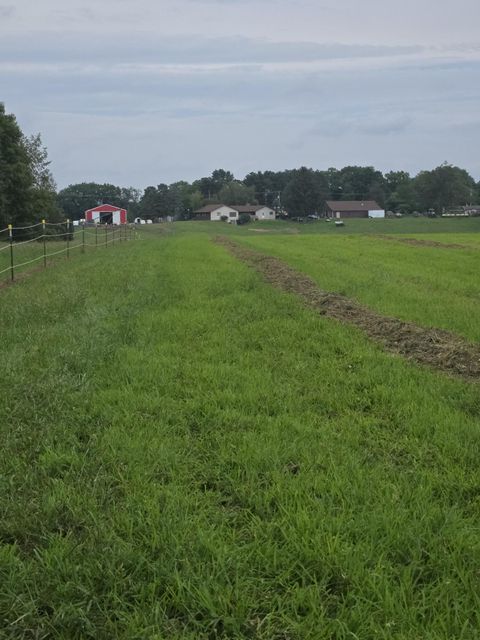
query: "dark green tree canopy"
75, 199
44, 196
444, 187
303, 194
16, 176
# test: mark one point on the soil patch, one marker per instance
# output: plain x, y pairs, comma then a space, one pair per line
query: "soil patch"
436, 348
425, 243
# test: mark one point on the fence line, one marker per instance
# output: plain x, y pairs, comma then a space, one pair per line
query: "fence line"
72, 237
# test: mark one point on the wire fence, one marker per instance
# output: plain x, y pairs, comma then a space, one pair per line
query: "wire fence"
21, 247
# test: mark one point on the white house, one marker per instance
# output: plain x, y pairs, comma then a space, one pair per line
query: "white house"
258, 211
216, 212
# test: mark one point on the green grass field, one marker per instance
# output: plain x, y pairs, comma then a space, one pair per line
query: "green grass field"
427, 285
406, 226
29, 254
188, 453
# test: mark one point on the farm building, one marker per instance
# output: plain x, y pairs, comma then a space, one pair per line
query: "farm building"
258, 211
215, 212
472, 210
353, 209
106, 214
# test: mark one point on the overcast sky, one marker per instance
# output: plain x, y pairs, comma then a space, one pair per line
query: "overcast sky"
138, 93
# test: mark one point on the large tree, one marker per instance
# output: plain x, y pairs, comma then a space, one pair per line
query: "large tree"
302, 195
362, 183
44, 197
400, 192
236, 192
444, 187
16, 178
210, 187
268, 185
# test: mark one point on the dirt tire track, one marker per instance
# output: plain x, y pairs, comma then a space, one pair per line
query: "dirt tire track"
414, 242
436, 348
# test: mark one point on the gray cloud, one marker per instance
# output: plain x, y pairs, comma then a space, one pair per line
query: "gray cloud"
140, 106
65, 47
6, 10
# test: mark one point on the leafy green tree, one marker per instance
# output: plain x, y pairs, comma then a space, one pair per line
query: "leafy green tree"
161, 201
335, 184
302, 195
444, 187
221, 177
362, 183
236, 193
148, 206
180, 194
268, 186
196, 200
16, 179
165, 201
210, 187
400, 192
44, 196
75, 199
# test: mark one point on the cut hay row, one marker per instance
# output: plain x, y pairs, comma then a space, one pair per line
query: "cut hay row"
436, 348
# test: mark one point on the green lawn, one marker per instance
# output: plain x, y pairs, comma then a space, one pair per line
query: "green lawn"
406, 226
28, 254
188, 453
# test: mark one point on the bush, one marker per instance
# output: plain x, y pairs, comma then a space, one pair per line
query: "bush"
243, 218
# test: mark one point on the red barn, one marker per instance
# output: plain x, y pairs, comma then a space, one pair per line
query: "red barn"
106, 214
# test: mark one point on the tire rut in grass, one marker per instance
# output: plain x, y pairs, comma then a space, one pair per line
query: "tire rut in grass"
414, 242
436, 348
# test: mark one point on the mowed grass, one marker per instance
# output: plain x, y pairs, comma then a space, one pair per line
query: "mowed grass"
465, 239
188, 453
404, 226
29, 255
431, 286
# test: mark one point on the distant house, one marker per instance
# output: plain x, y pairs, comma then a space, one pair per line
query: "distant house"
472, 209
258, 211
216, 212
353, 209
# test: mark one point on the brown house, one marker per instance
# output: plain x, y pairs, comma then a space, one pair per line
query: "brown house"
353, 209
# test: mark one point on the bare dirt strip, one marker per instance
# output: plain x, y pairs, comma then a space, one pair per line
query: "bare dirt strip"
425, 243
436, 348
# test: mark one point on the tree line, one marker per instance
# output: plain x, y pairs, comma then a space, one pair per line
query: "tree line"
28, 190
299, 192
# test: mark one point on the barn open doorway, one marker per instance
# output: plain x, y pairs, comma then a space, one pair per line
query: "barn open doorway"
106, 214
106, 217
